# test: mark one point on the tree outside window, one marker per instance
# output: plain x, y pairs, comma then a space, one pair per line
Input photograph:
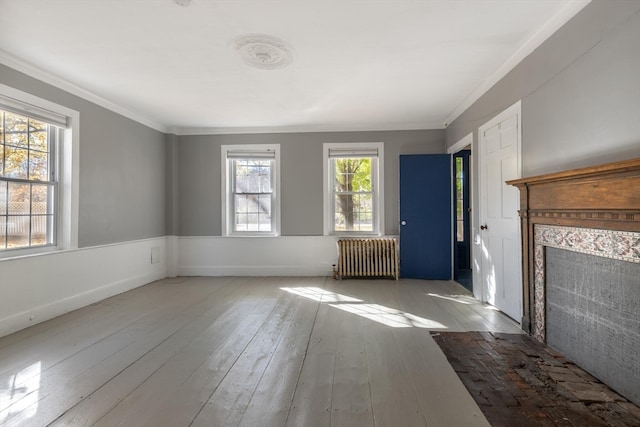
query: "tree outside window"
353, 189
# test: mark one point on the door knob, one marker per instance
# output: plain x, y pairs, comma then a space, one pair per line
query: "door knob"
403, 222
484, 227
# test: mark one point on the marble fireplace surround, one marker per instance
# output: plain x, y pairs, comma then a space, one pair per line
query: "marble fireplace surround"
621, 245
594, 210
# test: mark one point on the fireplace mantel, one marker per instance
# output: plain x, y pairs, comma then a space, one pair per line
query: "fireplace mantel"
605, 197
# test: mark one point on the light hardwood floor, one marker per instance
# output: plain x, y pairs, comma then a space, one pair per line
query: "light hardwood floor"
270, 351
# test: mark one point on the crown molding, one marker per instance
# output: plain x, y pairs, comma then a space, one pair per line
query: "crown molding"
184, 131
60, 83
561, 17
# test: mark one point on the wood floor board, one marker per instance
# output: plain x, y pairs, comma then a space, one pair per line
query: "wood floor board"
311, 403
159, 390
228, 351
230, 399
271, 400
138, 362
351, 395
67, 366
80, 329
191, 394
153, 332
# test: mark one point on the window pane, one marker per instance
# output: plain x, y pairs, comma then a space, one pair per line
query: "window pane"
38, 165
3, 198
460, 231
459, 210
352, 175
37, 135
3, 231
252, 212
264, 217
1, 159
354, 212
18, 231
15, 128
459, 169
3, 215
252, 176
19, 198
16, 162
39, 230
41, 198
363, 215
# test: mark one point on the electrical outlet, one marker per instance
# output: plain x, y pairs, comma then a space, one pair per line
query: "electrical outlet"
155, 255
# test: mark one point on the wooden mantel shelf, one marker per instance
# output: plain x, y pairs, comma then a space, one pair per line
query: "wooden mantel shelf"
605, 196
602, 197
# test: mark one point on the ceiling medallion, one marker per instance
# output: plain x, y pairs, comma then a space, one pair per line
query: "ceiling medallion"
263, 51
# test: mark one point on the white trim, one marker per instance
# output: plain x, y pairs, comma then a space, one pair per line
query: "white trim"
461, 145
227, 229
561, 17
40, 287
46, 77
69, 173
356, 127
378, 182
172, 256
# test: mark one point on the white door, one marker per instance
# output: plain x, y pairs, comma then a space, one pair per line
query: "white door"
499, 235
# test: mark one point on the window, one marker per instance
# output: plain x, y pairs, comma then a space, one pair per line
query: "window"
459, 199
250, 195
353, 196
28, 181
38, 174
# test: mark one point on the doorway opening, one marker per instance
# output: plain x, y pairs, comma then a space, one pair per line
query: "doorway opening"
462, 272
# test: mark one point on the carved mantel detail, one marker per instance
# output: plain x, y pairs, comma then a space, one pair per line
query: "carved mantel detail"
597, 199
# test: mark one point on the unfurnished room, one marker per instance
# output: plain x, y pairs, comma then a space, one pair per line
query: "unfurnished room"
320, 213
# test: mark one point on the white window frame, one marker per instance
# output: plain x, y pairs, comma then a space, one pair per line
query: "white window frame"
227, 193
68, 159
377, 183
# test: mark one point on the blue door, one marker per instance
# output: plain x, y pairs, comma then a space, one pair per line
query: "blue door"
425, 216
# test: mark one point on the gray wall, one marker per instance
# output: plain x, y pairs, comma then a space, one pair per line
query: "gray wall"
199, 176
122, 169
580, 93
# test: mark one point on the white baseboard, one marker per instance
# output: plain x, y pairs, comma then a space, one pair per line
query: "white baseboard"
279, 270
37, 288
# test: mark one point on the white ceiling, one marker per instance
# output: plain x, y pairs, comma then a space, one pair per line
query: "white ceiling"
401, 64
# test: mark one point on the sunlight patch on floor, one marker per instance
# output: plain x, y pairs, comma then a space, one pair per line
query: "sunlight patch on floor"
376, 312
462, 299
321, 295
20, 393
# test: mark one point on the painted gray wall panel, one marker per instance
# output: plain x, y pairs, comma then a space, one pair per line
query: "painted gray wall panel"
301, 176
122, 169
593, 316
171, 184
580, 93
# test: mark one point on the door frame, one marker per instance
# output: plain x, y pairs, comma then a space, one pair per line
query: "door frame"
515, 109
460, 145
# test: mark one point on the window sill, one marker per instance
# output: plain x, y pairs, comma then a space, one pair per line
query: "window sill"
251, 235
11, 254
356, 234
